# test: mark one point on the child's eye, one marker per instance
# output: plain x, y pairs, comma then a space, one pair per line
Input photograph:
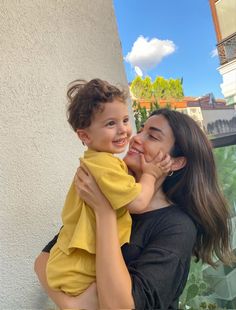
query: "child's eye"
126, 120
111, 123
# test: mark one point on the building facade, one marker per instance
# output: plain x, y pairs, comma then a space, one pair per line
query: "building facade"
224, 19
214, 116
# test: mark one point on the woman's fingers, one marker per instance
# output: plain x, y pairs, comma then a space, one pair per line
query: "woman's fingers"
78, 183
82, 174
84, 181
81, 179
84, 168
82, 171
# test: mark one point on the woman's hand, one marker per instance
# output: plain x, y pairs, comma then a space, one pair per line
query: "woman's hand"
89, 191
86, 300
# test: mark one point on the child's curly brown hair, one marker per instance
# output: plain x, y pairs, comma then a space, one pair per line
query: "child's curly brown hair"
86, 98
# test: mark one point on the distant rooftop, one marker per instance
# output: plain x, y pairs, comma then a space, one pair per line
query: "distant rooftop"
206, 102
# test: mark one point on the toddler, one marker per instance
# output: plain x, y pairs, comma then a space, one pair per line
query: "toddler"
98, 113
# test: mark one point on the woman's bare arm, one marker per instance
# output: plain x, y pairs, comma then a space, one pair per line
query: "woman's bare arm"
87, 300
113, 279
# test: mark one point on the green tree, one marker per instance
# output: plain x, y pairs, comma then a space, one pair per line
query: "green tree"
147, 88
176, 89
137, 87
159, 88
142, 88
141, 113
167, 89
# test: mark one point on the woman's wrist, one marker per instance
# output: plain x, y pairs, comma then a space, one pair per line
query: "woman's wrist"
104, 211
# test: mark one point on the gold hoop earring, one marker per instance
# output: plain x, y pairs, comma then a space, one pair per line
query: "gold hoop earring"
170, 173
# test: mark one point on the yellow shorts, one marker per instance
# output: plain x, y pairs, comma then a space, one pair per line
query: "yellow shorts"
72, 273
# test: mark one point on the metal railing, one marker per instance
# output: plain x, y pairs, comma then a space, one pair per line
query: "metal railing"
224, 139
227, 49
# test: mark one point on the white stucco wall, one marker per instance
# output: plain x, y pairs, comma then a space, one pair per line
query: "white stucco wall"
210, 116
43, 46
228, 86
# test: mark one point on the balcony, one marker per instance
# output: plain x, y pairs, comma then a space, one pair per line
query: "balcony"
227, 49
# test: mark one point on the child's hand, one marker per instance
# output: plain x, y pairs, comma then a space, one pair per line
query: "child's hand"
158, 166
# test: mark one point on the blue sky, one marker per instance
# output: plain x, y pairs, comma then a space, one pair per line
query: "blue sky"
174, 39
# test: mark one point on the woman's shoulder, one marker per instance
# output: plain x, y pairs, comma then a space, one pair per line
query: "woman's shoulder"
169, 228
177, 214
174, 218
171, 214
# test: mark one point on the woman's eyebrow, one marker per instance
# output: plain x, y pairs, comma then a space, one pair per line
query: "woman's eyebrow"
157, 129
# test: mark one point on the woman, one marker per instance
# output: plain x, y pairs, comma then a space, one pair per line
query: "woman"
187, 216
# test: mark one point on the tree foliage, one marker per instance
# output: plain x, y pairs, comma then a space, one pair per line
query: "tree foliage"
226, 165
159, 89
137, 87
141, 113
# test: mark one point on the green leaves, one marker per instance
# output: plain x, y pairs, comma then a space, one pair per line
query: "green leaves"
141, 113
160, 89
226, 166
192, 292
153, 92
196, 287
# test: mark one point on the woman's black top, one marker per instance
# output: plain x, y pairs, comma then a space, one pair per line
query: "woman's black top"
158, 256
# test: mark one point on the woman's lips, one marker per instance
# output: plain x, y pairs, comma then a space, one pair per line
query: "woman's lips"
133, 150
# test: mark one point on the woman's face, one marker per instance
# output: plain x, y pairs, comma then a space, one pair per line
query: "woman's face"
155, 136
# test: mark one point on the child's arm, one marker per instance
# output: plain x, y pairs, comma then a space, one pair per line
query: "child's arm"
152, 171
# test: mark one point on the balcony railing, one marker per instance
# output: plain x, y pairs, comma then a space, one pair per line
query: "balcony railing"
227, 49
224, 139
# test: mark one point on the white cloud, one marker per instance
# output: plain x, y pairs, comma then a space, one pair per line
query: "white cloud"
138, 71
214, 53
146, 54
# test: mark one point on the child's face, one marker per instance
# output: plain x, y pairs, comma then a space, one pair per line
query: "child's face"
110, 129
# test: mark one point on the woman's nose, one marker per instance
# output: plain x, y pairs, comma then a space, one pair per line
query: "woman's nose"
138, 138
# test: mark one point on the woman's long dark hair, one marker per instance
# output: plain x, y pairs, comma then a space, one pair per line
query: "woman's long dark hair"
195, 189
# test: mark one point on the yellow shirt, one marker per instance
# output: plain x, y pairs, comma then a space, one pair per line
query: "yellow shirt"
111, 175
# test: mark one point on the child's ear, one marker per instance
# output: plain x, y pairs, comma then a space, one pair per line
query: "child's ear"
83, 136
178, 163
